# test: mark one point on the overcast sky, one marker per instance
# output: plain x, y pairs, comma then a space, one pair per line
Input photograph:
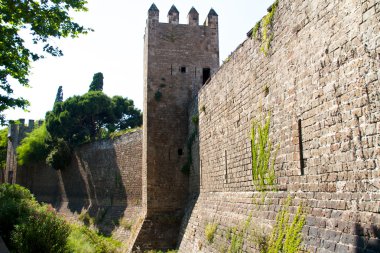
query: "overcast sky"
115, 48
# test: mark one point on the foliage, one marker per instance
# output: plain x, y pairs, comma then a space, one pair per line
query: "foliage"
3, 147
125, 114
263, 173
255, 29
43, 20
85, 217
195, 120
83, 118
237, 237
14, 207
83, 239
125, 223
116, 134
97, 82
266, 24
210, 230
59, 96
42, 231
34, 147
186, 167
60, 155
287, 237
27, 226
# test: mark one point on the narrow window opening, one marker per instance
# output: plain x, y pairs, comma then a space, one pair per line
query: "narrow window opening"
180, 152
200, 172
225, 169
302, 165
206, 74
183, 69
171, 69
195, 72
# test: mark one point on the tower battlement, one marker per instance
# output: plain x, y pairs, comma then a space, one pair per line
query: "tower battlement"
192, 17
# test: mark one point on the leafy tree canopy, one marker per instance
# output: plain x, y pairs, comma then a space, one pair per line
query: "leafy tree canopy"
44, 19
83, 118
35, 146
97, 82
59, 96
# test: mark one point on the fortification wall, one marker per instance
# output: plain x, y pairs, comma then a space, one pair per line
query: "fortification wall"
103, 179
323, 69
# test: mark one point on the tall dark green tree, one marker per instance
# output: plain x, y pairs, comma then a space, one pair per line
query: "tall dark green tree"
97, 82
44, 19
59, 96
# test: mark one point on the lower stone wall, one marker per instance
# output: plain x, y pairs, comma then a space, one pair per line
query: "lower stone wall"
329, 227
103, 179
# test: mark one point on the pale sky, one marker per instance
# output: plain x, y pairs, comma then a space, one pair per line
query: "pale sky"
115, 48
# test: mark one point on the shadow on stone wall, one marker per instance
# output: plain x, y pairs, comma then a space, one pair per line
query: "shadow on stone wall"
93, 183
367, 239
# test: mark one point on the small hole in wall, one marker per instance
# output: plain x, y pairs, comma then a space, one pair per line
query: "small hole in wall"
183, 69
180, 152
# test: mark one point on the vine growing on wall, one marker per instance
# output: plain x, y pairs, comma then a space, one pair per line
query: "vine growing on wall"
266, 24
263, 173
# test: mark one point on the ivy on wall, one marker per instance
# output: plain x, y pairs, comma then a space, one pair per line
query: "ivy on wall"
266, 24
263, 173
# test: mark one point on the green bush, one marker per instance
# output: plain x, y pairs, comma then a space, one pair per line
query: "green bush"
43, 231
83, 239
34, 147
15, 204
60, 156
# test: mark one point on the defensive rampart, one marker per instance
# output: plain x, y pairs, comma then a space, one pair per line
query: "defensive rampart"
320, 84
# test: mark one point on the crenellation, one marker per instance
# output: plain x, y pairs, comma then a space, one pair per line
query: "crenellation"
173, 16
193, 17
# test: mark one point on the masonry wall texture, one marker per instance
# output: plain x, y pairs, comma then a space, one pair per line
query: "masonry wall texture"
323, 69
177, 58
103, 179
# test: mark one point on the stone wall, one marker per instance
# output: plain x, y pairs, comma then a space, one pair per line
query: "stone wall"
176, 57
322, 70
103, 179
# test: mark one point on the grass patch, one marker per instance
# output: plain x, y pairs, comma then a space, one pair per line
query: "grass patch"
210, 231
83, 239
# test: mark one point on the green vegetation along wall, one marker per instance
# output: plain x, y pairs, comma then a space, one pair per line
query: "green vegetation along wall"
319, 81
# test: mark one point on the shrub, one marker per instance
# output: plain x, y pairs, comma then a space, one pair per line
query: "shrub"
34, 147
43, 231
83, 239
210, 231
60, 156
15, 202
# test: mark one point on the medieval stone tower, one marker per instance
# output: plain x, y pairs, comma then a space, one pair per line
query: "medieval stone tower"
178, 60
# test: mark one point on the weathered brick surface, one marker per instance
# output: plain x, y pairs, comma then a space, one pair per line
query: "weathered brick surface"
103, 177
174, 58
322, 68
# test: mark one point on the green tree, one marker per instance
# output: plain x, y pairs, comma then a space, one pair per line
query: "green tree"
34, 147
84, 118
3, 147
97, 82
44, 19
125, 113
59, 96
